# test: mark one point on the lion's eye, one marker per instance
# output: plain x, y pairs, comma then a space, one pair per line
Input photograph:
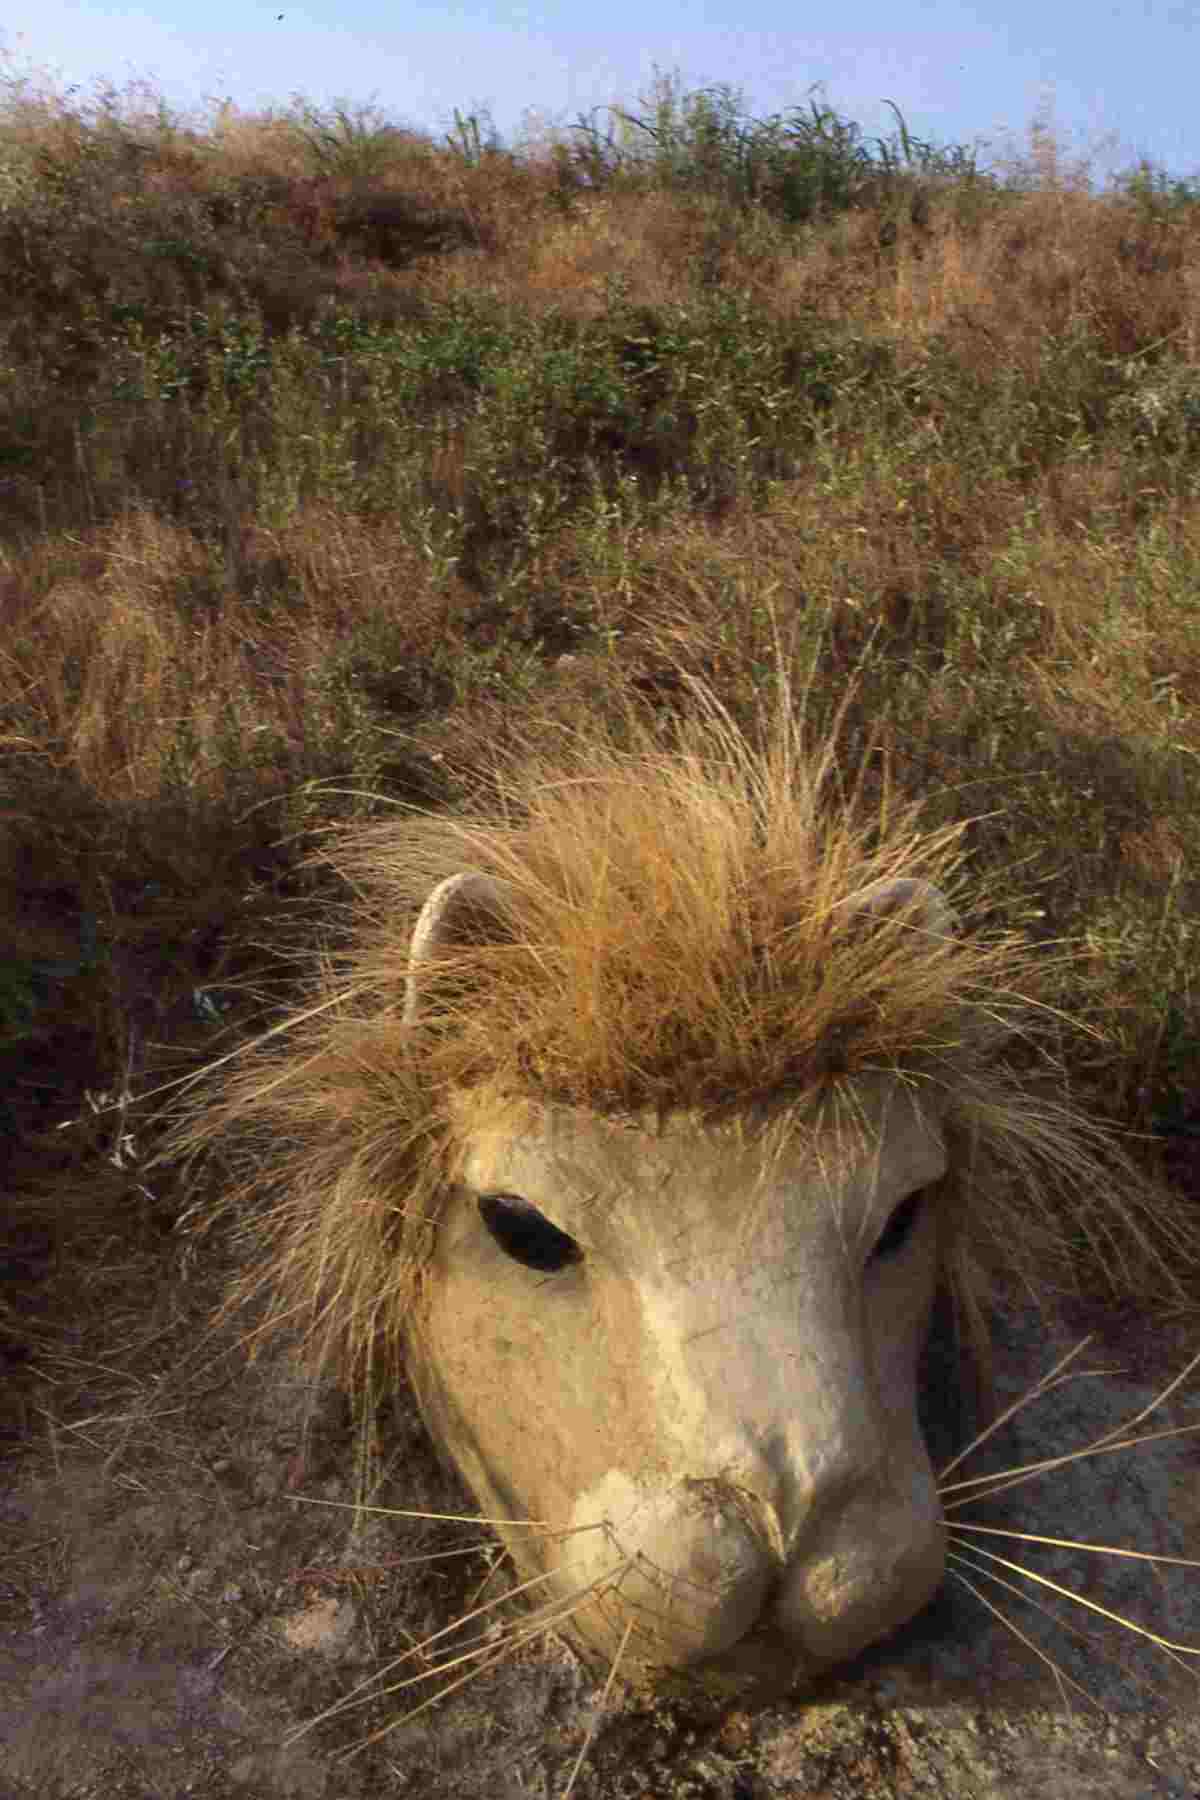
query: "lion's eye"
899, 1227
526, 1234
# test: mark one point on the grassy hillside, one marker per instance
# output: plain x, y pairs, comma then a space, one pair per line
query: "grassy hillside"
327, 450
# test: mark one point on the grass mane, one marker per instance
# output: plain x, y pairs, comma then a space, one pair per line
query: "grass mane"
681, 931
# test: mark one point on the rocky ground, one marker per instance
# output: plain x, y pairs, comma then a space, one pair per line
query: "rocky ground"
185, 1587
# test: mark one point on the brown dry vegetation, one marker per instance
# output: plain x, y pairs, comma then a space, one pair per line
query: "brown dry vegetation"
328, 451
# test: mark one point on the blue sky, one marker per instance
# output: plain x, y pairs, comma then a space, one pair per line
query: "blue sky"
959, 72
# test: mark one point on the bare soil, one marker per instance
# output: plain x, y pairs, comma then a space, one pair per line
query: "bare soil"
185, 1586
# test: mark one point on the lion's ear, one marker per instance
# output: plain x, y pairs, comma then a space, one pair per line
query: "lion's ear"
922, 905
463, 910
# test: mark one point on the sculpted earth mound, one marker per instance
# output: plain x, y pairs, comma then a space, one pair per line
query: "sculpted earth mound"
661, 1090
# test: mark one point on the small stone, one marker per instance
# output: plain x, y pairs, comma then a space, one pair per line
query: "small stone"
326, 1626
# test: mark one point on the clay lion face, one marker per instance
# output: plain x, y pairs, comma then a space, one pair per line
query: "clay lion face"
687, 1348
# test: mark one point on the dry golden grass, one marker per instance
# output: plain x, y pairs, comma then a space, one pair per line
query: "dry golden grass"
123, 644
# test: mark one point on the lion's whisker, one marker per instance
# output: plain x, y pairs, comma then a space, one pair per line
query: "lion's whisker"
1034, 1393
481, 1548
598, 1714
1115, 1439
999, 1480
414, 1650
1105, 1612
963, 1553
1059, 1674
401, 1512
514, 1637
1030, 1537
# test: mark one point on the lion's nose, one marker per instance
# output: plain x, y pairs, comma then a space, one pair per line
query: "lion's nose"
691, 1567
699, 1567
869, 1571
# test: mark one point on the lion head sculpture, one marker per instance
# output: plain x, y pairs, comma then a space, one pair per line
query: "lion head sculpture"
656, 1095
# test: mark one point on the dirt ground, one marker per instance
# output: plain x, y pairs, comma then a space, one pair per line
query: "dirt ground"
185, 1591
